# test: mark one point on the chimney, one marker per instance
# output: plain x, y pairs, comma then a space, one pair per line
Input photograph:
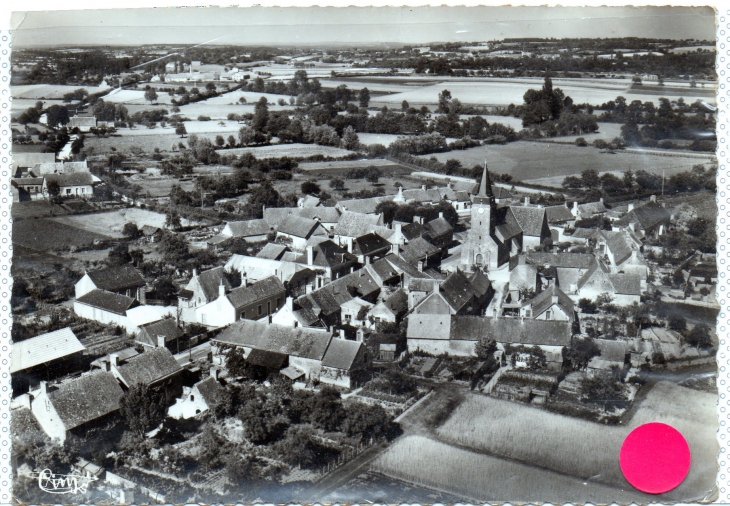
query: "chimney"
214, 372
309, 288
399, 228
634, 256
310, 255
360, 335
295, 324
160, 341
43, 387
222, 289
652, 198
244, 278
565, 203
631, 207
600, 200
448, 184
367, 260
436, 287
342, 333
527, 200
195, 272
423, 187
290, 303
114, 360
494, 312
554, 299
441, 214
575, 206
420, 266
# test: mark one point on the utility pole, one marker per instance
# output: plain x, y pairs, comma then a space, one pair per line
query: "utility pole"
662, 182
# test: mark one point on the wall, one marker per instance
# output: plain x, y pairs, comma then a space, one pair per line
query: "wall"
439, 346
333, 376
84, 286
217, 313
312, 368
48, 418
102, 316
251, 312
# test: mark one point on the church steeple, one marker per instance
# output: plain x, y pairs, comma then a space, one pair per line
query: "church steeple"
485, 194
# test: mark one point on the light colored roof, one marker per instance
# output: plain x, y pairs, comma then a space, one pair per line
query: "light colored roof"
523, 276
260, 290
149, 367
530, 219
86, 398
591, 208
297, 226
355, 224
292, 372
308, 201
210, 390
626, 284
364, 206
44, 348
272, 251
558, 214
257, 268
341, 354
299, 342
248, 228
428, 326
542, 301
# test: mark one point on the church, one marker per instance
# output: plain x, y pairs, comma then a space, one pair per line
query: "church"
497, 233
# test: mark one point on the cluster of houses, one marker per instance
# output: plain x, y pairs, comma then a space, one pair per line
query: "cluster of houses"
33, 172
305, 304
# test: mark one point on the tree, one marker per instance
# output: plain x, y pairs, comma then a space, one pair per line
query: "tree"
367, 421
590, 179
235, 363
263, 195
310, 187
181, 130
220, 141
336, 183
444, 99
677, 322
350, 139
604, 388
57, 115
172, 219
580, 352
150, 95
298, 447
326, 409
130, 230
142, 408
485, 348
699, 336
54, 190
388, 209
165, 289
242, 470
628, 180
260, 115
587, 306
119, 255
364, 97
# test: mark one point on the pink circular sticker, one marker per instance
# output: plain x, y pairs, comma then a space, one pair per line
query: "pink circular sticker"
655, 458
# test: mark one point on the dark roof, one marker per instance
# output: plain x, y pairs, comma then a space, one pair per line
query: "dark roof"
412, 230
210, 280
149, 230
210, 390
166, 327
306, 316
421, 284
626, 284
27, 180
300, 342
383, 269
558, 214
108, 301
480, 283
70, 179
43, 349
403, 266
117, 278
648, 216
149, 367
320, 301
438, 227
456, 290
184, 293
321, 214
355, 224
249, 228
569, 260
272, 251
704, 270
297, 226
397, 301
86, 398
592, 208
418, 249
341, 354
542, 301
328, 254
369, 244
506, 224
359, 283
511, 330
268, 359
530, 219
260, 290
619, 245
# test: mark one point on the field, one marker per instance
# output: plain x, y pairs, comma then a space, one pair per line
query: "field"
192, 127
49, 91
221, 111
535, 161
48, 234
543, 439
378, 87
251, 97
111, 223
346, 164
118, 96
21, 104
478, 477
292, 150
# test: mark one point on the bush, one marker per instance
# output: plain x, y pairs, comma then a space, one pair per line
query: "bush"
580, 141
600, 144
203, 118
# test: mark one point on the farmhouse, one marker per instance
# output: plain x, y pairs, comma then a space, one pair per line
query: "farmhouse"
74, 184
362, 206
298, 230
199, 398
106, 307
77, 404
299, 317
201, 290
534, 224
370, 247
439, 232
390, 309
352, 225
41, 169
589, 210
155, 368
158, 334
122, 280
251, 231
26, 188
344, 363
296, 277
254, 301
335, 261
83, 123
648, 219
327, 216
550, 304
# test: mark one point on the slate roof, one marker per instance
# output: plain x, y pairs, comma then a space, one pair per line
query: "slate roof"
507, 225
43, 349
210, 390
418, 249
648, 216
328, 254
272, 251
403, 266
267, 358
149, 367
558, 214
359, 283
438, 227
353, 224
24, 181
543, 301
421, 285
397, 301
166, 327
412, 230
383, 269
117, 278
341, 354
422, 196
511, 330
306, 316
322, 301
260, 290
585, 233
108, 301
70, 179
369, 244
248, 228
592, 208
480, 284
365, 206
626, 284
614, 351
453, 195
429, 326
299, 342
210, 280
297, 226
457, 290
619, 245
530, 219
86, 398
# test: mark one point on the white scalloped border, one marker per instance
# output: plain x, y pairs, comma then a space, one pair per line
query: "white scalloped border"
723, 229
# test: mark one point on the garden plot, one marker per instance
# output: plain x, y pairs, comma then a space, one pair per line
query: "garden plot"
478, 477
291, 150
530, 435
112, 222
118, 96
49, 91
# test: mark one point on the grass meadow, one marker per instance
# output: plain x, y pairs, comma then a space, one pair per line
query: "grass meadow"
111, 223
48, 235
291, 150
583, 449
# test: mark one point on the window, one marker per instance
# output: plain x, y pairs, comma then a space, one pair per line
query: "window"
192, 397
259, 309
68, 191
268, 307
278, 302
548, 314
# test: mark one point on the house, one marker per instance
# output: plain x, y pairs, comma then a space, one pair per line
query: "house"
122, 280
75, 405
456, 335
344, 363
523, 280
75, 184
391, 309
155, 368
459, 199
308, 201
26, 188
422, 195
150, 233
456, 295
21, 162
534, 224
624, 289
362, 206
201, 290
352, 225
647, 220
250, 231
326, 216
106, 307
334, 260
44, 357
354, 312
420, 252
418, 289
199, 398
253, 302
296, 278
298, 230
42, 169
83, 123
440, 232
589, 210
559, 218
159, 334
296, 317
263, 363
272, 251
370, 247
550, 304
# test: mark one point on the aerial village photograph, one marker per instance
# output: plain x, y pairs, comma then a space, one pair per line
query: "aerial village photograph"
427, 255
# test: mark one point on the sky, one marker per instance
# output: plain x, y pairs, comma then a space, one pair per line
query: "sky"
352, 25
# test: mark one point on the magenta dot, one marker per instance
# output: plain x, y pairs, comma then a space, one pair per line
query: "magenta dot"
655, 458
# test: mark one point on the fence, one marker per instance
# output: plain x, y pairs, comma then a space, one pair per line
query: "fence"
344, 457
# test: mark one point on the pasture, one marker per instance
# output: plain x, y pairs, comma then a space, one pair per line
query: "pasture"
49, 91
111, 223
48, 235
525, 434
221, 111
118, 96
295, 150
19, 105
346, 165
535, 162
477, 477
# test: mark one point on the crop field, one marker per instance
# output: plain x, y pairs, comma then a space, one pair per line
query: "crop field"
118, 96
478, 477
49, 91
535, 161
48, 234
530, 435
111, 223
507, 92
292, 150
221, 111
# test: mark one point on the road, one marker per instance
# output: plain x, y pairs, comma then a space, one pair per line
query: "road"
195, 353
